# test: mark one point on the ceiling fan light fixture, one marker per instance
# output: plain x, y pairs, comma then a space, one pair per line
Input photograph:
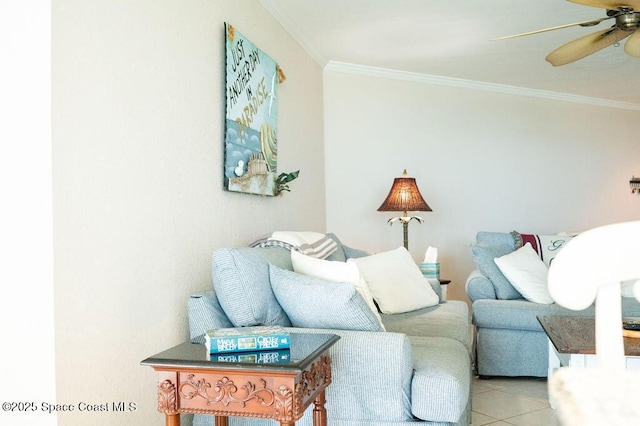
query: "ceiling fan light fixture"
628, 21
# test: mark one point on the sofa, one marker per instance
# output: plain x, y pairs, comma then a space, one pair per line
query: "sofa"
509, 339
417, 371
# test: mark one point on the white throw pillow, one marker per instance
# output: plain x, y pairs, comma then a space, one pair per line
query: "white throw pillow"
334, 271
527, 273
395, 281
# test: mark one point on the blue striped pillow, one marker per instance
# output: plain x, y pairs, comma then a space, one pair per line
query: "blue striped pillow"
241, 281
315, 303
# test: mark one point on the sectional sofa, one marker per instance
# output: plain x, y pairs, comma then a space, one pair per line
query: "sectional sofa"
509, 339
417, 371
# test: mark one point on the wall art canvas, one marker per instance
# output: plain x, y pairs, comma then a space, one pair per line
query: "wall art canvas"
251, 139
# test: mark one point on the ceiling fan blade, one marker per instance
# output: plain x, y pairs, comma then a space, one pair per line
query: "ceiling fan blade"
610, 4
583, 23
585, 46
632, 46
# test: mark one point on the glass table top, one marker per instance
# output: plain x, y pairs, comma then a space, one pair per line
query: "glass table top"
305, 349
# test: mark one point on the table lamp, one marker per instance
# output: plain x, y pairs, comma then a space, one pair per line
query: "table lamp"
404, 196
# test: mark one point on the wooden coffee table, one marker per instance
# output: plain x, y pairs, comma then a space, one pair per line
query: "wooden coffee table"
191, 382
572, 343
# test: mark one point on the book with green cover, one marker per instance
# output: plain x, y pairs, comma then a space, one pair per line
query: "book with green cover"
246, 339
258, 357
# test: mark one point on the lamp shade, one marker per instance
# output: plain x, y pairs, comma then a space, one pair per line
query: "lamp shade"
404, 196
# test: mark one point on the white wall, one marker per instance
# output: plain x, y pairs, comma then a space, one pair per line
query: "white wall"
27, 370
483, 161
138, 124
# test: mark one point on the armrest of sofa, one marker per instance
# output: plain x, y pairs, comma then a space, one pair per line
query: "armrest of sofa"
364, 361
479, 287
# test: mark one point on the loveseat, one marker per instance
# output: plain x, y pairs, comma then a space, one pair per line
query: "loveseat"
417, 371
509, 339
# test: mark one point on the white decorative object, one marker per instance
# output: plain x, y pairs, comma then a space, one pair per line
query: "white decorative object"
592, 267
239, 170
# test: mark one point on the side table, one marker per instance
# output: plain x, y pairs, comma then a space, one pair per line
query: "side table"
444, 284
192, 381
572, 343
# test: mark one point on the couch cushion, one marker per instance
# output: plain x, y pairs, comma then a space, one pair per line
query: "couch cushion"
241, 281
395, 281
441, 385
517, 314
315, 303
484, 257
449, 319
521, 314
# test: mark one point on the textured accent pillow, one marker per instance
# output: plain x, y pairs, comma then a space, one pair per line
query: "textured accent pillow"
395, 281
346, 272
241, 281
483, 256
527, 273
315, 303
546, 246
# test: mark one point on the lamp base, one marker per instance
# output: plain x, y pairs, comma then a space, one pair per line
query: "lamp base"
405, 226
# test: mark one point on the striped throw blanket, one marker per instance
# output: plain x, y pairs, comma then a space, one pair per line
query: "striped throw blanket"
312, 244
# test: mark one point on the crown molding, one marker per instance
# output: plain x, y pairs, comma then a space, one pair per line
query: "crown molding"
475, 85
312, 50
294, 30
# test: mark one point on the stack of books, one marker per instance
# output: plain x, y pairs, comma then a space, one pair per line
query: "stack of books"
257, 345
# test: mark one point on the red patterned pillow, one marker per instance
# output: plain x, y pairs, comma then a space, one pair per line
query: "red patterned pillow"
547, 246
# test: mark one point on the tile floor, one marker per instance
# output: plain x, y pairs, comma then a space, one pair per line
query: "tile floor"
511, 401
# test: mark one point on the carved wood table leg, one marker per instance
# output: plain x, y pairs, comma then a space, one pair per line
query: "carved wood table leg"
221, 421
172, 419
319, 411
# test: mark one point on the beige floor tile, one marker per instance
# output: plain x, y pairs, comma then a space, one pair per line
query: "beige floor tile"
531, 388
478, 386
544, 417
503, 405
478, 419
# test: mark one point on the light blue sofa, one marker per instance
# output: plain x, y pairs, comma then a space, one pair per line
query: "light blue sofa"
509, 339
418, 371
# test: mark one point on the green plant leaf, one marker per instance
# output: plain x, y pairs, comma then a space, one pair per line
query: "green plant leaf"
283, 179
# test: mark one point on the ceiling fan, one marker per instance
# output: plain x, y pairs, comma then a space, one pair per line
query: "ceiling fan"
626, 14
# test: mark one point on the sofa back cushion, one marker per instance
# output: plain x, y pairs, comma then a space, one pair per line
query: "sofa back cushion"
484, 238
205, 313
242, 285
484, 257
